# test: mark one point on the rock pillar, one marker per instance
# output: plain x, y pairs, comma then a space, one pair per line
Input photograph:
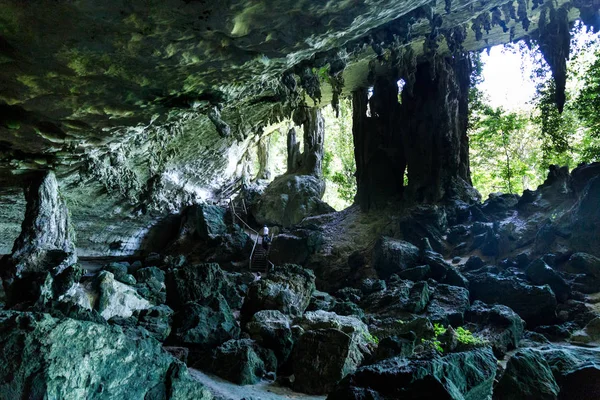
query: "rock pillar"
45, 243
378, 145
434, 122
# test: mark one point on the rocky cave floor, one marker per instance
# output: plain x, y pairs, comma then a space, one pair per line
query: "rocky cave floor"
496, 300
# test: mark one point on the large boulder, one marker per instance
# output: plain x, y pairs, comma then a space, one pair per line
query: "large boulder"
286, 288
116, 299
457, 376
291, 198
198, 282
331, 347
43, 357
539, 273
151, 284
321, 358
272, 330
425, 221
156, 320
295, 246
448, 304
500, 326
243, 362
535, 304
527, 376
391, 256
205, 325
398, 298
585, 263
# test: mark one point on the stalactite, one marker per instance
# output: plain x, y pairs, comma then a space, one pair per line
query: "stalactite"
497, 19
508, 9
522, 14
455, 38
310, 82
555, 44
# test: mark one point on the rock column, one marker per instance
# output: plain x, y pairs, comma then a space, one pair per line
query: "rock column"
45, 244
434, 120
378, 147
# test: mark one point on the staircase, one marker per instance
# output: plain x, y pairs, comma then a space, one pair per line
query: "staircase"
259, 261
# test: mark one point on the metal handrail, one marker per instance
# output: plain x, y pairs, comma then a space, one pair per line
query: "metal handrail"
236, 216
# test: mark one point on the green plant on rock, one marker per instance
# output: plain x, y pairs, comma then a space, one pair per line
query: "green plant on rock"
434, 344
465, 336
438, 329
371, 338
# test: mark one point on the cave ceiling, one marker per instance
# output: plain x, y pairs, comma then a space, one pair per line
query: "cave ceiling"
141, 106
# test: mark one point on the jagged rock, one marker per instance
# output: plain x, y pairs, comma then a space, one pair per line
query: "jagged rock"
321, 301
151, 284
348, 308
120, 273
286, 288
115, 299
499, 203
394, 346
199, 282
448, 304
535, 304
242, 362
539, 273
585, 219
421, 327
45, 244
314, 320
369, 286
39, 352
291, 198
391, 256
416, 274
204, 221
272, 330
466, 375
473, 263
457, 234
180, 353
586, 263
527, 376
349, 294
295, 247
500, 326
425, 221
205, 325
583, 174
156, 320
322, 357
590, 333
400, 297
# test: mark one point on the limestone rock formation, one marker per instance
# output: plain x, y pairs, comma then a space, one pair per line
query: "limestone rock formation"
40, 352
45, 244
466, 375
287, 288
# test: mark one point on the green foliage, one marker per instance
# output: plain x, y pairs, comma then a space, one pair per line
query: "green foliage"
434, 344
371, 338
339, 164
504, 152
439, 329
465, 336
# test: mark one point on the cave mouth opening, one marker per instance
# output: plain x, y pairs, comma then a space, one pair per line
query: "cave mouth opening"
515, 130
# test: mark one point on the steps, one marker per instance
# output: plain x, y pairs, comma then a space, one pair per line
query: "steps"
260, 259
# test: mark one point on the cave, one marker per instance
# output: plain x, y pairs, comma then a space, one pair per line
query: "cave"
164, 225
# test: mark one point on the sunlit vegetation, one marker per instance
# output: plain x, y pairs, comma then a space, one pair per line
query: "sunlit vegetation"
339, 164
511, 150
